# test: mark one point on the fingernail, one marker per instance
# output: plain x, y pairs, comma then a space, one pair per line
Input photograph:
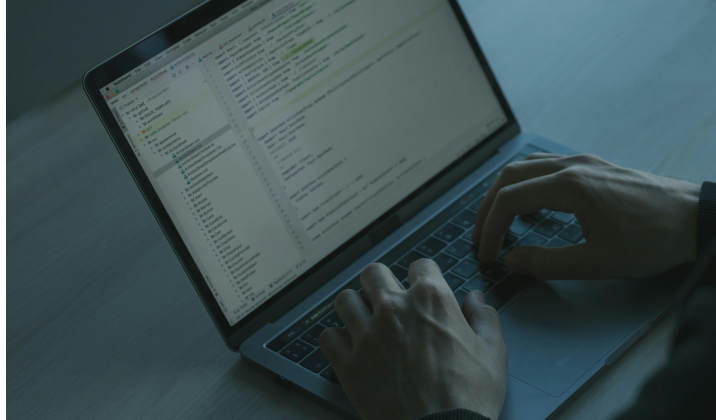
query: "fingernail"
480, 296
514, 263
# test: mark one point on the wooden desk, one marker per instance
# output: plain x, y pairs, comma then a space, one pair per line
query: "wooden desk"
103, 323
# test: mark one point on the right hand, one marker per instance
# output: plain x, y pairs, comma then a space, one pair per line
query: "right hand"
407, 353
635, 224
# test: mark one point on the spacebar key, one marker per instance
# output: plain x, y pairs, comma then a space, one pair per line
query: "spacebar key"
506, 289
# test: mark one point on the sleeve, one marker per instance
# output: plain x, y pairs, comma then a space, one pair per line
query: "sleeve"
706, 222
685, 387
454, 414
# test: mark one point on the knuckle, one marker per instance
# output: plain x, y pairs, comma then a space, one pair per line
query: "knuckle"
423, 263
373, 268
570, 176
503, 193
584, 159
383, 303
342, 298
426, 291
510, 171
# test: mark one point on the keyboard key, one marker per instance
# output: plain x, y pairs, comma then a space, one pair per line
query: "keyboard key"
531, 239
399, 272
466, 268
406, 284
453, 281
548, 228
465, 219
315, 362
479, 283
572, 233
332, 320
509, 241
276, 345
311, 336
468, 235
556, 243
449, 232
460, 296
445, 261
469, 196
494, 271
562, 217
409, 258
476, 204
459, 248
536, 217
297, 350
520, 226
296, 329
330, 375
318, 312
431, 246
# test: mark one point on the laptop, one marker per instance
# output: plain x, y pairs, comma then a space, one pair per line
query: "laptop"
283, 145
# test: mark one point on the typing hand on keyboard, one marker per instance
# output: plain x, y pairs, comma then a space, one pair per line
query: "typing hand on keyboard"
635, 224
407, 353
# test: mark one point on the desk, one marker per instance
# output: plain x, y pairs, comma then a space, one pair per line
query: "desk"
102, 323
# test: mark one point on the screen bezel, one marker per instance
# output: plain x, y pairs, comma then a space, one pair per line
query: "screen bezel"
174, 32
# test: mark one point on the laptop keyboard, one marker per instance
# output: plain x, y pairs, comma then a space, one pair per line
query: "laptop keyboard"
447, 240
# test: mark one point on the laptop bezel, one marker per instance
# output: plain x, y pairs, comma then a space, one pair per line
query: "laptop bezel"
174, 32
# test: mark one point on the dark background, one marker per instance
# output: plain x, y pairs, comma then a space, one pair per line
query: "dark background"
51, 44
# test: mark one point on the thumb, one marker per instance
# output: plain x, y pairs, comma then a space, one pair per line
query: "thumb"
571, 262
483, 318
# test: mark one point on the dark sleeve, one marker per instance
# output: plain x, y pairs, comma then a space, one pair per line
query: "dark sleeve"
454, 414
685, 388
706, 224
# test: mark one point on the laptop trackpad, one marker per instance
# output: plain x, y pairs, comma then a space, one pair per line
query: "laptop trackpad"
556, 331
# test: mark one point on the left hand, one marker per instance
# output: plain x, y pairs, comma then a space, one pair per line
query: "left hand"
407, 353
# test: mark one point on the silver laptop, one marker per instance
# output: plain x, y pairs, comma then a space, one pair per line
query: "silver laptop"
284, 145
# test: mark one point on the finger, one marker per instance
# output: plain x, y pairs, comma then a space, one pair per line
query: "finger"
539, 155
483, 318
353, 311
377, 279
553, 192
576, 262
425, 270
335, 343
513, 173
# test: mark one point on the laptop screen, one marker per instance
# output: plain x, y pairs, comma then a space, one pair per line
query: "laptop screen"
279, 131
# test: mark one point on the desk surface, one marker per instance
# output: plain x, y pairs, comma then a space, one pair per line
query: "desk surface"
103, 323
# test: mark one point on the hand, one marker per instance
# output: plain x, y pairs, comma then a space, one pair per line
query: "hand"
635, 224
407, 353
